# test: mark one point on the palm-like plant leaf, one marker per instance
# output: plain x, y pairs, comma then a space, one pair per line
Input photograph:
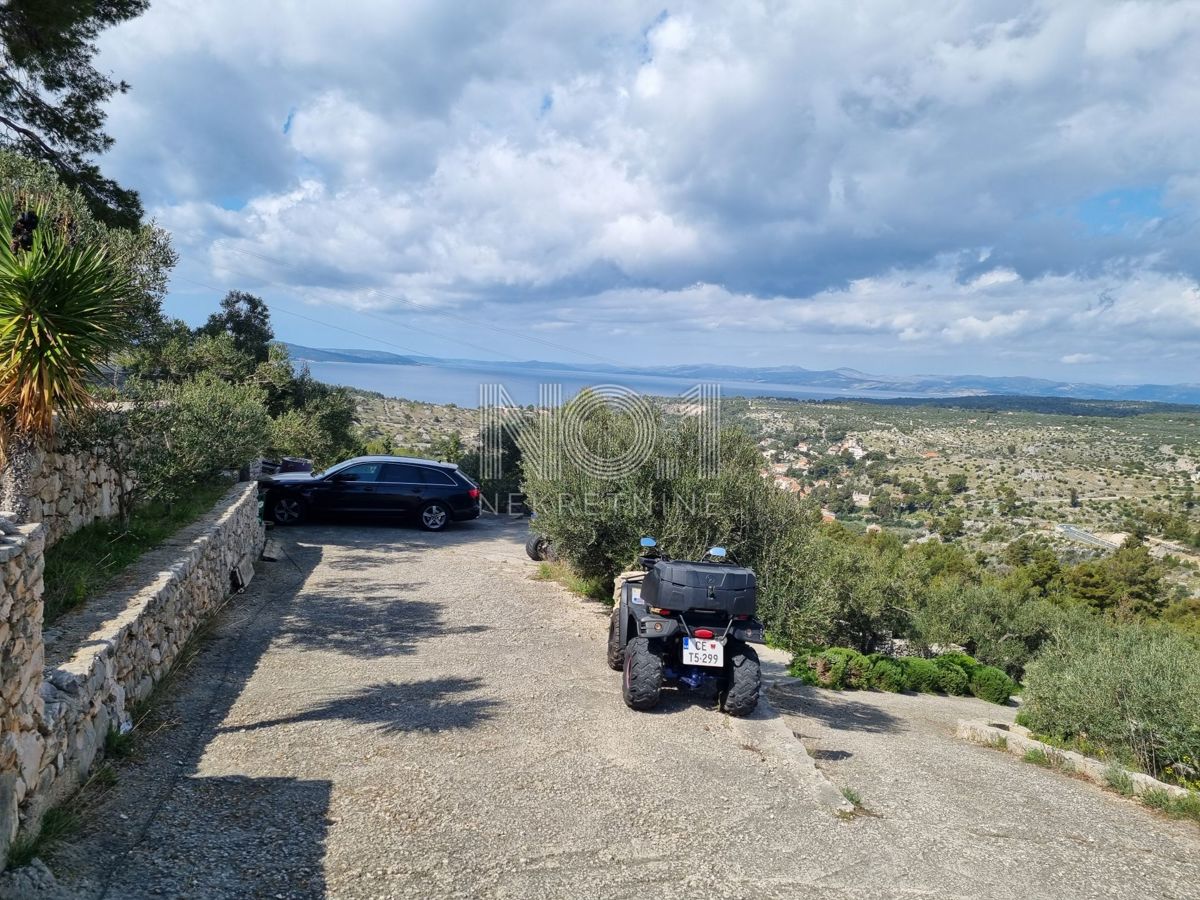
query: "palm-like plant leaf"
63, 312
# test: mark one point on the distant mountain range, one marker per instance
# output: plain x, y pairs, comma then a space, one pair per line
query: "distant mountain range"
839, 382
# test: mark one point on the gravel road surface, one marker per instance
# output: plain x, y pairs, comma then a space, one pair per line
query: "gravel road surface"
386, 713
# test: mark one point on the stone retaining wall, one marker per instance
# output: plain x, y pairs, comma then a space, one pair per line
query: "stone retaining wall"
106, 658
21, 658
68, 491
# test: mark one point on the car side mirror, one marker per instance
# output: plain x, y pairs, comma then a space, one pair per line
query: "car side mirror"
345, 476
649, 542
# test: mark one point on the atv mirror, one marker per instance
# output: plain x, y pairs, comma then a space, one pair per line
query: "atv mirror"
649, 542
718, 552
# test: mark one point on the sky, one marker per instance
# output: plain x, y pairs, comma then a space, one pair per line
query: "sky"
987, 187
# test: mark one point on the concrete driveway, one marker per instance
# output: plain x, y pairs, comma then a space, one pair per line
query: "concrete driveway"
387, 713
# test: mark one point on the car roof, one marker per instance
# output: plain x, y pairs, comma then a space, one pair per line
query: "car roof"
395, 459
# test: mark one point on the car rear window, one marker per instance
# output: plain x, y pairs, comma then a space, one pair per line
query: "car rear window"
402, 473
406, 473
437, 476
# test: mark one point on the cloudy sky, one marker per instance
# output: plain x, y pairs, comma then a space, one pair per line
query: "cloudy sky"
988, 186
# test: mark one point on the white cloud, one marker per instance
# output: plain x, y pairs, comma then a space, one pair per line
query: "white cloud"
911, 174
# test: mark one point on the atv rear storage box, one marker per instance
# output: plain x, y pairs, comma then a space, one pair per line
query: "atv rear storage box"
683, 586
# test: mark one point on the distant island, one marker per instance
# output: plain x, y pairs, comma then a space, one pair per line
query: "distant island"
831, 383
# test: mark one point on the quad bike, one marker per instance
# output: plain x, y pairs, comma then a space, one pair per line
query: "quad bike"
689, 624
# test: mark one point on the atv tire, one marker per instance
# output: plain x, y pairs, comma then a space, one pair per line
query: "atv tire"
536, 546
642, 683
616, 653
743, 678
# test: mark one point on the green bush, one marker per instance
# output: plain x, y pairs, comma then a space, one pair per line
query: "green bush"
1002, 624
836, 667
855, 667
888, 675
920, 674
991, 684
951, 677
967, 663
594, 519
1132, 689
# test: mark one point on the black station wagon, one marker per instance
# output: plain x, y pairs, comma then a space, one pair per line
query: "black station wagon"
434, 493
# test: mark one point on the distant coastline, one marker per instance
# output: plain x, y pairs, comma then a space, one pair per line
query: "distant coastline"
437, 380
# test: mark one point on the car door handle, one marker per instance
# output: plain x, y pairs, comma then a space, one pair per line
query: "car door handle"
369, 489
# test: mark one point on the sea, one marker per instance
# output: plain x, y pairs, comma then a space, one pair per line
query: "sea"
462, 385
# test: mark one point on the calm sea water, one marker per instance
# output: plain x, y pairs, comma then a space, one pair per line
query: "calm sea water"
448, 384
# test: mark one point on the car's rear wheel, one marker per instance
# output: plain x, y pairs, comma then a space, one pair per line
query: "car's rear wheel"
642, 684
286, 510
743, 679
434, 516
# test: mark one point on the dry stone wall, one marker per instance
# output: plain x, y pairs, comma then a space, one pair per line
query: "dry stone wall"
64, 691
68, 491
21, 661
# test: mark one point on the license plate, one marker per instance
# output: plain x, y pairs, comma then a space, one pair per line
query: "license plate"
697, 652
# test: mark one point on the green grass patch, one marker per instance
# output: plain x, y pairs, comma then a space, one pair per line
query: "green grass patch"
118, 745
1037, 756
87, 562
853, 796
1185, 807
1118, 779
1157, 798
57, 824
591, 588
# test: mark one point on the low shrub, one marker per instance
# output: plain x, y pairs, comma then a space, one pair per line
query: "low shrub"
965, 662
921, 674
1132, 689
951, 677
856, 670
888, 675
991, 684
836, 667
950, 673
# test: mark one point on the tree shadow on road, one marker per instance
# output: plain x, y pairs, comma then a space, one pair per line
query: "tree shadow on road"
167, 830
339, 617
396, 708
837, 711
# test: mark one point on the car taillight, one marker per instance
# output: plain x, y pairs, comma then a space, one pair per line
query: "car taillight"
660, 612
473, 493
741, 618
702, 633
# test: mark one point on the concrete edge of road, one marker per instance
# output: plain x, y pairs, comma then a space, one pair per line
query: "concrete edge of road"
1019, 742
766, 732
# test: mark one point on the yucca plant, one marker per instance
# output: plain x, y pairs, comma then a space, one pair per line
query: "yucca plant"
63, 312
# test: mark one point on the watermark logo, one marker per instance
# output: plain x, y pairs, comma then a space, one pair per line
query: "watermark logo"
556, 439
